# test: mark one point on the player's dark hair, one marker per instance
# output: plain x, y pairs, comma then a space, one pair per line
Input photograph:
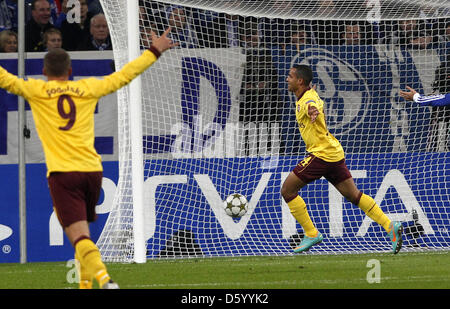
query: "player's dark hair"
304, 72
57, 62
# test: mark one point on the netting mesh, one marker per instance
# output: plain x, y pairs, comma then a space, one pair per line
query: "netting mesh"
319, 9
218, 119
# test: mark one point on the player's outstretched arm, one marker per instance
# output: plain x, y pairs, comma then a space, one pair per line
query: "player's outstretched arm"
131, 70
408, 95
163, 42
431, 100
13, 84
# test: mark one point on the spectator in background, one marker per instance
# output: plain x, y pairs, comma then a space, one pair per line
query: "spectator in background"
429, 16
444, 42
325, 30
73, 32
37, 25
272, 31
419, 36
152, 18
54, 10
299, 37
446, 33
440, 122
8, 15
357, 33
153, 7
409, 33
52, 39
260, 82
99, 38
149, 22
146, 36
8, 41
351, 34
143, 15
222, 31
183, 31
94, 7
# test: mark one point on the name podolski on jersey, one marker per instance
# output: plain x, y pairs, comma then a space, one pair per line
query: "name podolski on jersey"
59, 90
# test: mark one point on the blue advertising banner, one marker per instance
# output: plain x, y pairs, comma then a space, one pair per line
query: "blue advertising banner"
45, 238
190, 198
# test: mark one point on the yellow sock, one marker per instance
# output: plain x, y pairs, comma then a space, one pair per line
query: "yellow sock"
102, 277
91, 259
300, 213
374, 212
83, 275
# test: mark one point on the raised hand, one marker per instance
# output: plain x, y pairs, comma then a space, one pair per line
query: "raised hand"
313, 112
408, 95
163, 42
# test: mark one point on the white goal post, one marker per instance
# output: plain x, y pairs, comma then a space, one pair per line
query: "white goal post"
213, 117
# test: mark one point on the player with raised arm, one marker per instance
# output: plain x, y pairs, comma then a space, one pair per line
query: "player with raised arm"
429, 100
326, 158
63, 111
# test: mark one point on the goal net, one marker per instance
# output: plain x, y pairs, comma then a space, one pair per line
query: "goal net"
217, 119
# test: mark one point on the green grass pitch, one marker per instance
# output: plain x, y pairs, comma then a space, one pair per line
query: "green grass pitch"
402, 271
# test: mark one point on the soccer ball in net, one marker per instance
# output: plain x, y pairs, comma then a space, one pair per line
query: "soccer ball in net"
236, 205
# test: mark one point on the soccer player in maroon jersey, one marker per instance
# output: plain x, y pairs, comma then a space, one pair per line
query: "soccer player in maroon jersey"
326, 158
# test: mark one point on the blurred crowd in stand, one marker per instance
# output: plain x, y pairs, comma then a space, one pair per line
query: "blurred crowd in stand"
50, 24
